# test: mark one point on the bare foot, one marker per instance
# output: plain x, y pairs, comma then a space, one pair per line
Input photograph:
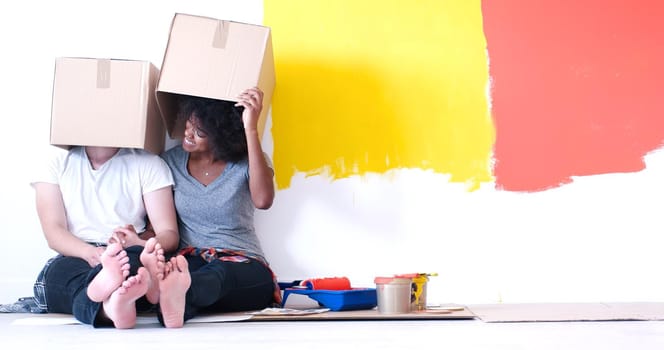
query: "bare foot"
121, 306
173, 289
115, 269
153, 259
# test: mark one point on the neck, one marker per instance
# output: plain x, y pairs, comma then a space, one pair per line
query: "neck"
100, 155
204, 167
202, 158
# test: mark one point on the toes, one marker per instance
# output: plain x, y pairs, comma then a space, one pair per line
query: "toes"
182, 263
150, 245
114, 249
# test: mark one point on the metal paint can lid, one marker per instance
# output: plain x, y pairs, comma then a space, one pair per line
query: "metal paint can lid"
392, 280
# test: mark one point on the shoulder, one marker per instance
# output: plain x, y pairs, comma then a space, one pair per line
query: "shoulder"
73, 158
173, 151
137, 154
142, 158
53, 162
173, 154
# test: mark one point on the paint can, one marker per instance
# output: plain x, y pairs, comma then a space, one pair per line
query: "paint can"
393, 294
418, 297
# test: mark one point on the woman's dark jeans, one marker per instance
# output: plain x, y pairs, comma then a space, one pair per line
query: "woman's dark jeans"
225, 286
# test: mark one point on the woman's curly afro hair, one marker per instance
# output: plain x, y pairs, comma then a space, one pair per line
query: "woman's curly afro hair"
221, 121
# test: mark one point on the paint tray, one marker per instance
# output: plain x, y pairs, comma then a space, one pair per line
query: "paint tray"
338, 300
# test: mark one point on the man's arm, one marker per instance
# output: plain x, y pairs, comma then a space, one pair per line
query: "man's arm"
161, 213
53, 219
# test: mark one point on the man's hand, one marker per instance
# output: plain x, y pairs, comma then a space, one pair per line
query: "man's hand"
126, 236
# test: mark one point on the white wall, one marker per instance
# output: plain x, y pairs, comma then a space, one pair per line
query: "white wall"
597, 239
32, 34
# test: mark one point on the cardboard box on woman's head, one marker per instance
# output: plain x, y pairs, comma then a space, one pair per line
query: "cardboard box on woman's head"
217, 59
106, 102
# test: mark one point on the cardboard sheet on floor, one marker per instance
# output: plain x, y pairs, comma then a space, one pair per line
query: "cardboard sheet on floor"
557, 312
443, 313
64, 319
529, 312
454, 313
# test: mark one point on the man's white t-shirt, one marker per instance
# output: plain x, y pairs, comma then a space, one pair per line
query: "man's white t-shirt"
98, 201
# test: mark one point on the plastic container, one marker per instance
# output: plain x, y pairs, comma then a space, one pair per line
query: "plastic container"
338, 300
393, 294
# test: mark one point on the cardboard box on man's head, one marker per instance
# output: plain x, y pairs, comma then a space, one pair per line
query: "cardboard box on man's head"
106, 102
218, 59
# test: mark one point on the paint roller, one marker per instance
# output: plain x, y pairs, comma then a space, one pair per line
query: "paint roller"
327, 283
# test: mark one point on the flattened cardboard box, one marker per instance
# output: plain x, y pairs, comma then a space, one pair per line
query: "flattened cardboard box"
217, 59
106, 102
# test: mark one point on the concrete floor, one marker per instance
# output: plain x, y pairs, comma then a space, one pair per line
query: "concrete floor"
426, 334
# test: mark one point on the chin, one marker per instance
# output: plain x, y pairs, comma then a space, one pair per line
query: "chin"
188, 146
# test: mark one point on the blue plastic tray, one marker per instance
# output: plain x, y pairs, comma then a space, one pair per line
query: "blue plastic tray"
338, 300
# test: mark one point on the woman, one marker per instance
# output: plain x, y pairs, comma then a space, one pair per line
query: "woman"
221, 176
91, 202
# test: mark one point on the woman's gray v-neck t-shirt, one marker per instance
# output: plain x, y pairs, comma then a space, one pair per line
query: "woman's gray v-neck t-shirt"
219, 215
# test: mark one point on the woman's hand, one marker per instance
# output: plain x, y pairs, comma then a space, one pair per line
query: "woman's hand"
252, 101
126, 236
